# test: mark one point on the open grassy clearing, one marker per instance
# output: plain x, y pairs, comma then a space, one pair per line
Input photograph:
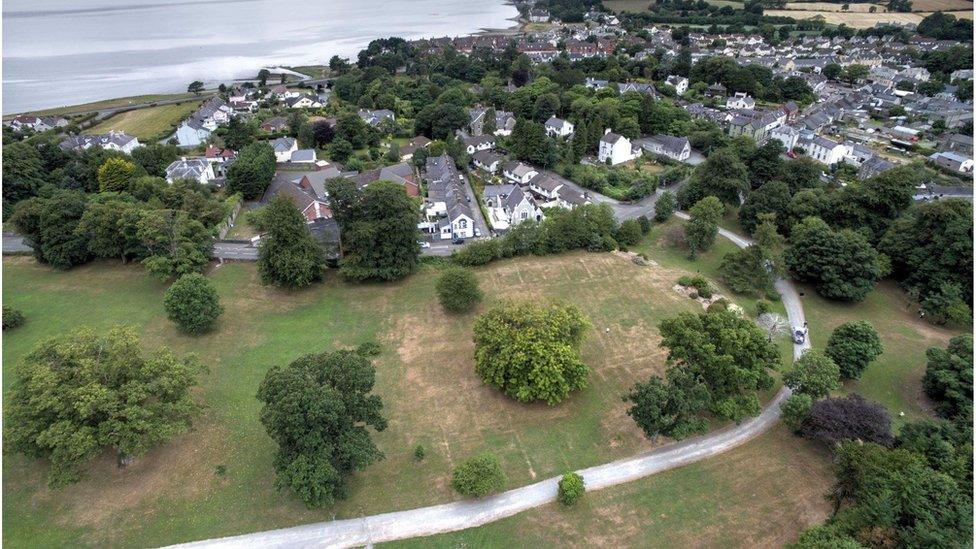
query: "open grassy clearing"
425, 377
895, 378
642, 5
761, 494
108, 104
147, 123
942, 5
830, 6
862, 20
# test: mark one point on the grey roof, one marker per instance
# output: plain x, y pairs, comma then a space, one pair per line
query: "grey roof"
77, 142
303, 155
187, 168
611, 137
283, 144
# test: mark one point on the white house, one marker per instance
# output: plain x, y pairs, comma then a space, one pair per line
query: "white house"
538, 15
488, 161
283, 148
557, 127
616, 149
191, 133
545, 186
303, 156
111, 141
824, 150
680, 83
740, 100
37, 123
448, 210
787, 135
508, 205
474, 144
302, 102
198, 169
518, 172
675, 148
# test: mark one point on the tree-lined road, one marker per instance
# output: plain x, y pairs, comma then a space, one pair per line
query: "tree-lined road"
461, 515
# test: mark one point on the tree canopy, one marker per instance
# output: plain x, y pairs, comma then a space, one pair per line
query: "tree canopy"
79, 394
318, 410
853, 345
253, 170
288, 255
841, 264
193, 304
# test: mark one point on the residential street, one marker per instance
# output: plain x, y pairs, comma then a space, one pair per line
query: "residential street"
470, 513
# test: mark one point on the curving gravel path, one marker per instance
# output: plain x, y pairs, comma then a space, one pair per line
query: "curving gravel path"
460, 515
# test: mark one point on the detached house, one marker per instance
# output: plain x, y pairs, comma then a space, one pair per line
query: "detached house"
407, 151
488, 161
557, 127
37, 123
518, 172
198, 169
508, 205
675, 148
679, 83
283, 148
373, 118
302, 102
312, 207
616, 149
111, 141
740, 100
474, 144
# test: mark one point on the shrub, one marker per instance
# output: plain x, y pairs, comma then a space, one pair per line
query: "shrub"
697, 282
717, 306
833, 420
629, 233
763, 307
571, 488
665, 207
479, 476
645, 224
458, 290
477, 253
193, 304
368, 349
12, 318
795, 410
419, 453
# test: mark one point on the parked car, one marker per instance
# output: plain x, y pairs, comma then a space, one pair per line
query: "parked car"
477, 231
799, 335
458, 241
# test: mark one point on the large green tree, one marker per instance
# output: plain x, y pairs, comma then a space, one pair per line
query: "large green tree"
853, 345
841, 264
949, 378
379, 230
318, 410
722, 174
49, 226
531, 352
701, 230
193, 304
288, 254
79, 394
813, 374
253, 170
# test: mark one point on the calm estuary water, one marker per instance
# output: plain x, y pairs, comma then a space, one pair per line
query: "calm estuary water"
62, 52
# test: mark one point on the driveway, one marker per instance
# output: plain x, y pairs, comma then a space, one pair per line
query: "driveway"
14, 244
460, 515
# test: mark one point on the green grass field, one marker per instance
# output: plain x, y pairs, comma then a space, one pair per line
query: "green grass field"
107, 104
425, 376
149, 123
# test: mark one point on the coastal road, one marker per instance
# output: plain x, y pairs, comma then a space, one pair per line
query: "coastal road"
460, 515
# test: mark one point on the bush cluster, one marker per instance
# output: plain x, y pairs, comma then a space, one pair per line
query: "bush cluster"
701, 285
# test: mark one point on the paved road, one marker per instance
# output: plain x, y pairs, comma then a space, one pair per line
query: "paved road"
235, 251
460, 515
14, 243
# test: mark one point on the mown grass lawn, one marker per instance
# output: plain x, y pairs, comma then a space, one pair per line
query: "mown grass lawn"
148, 123
106, 104
425, 376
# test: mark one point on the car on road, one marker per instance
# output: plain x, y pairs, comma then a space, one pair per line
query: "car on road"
799, 335
458, 241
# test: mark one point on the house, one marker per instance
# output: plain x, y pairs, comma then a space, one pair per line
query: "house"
509, 205
283, 148
302, 102
616, 149
953, 161
557, 127
824, 150
407, 151
220, 158
37, 123
787, 135
538, 15
675, 148
192, 133
448, 208
545, 186
488, 161
273, 125
904, 133
740, 100
518, 172
679, 83
504, 122
474, 144
373, 118
873, 166
959, 143
716, 90
111, 141
312, 207
195, 168
401, 174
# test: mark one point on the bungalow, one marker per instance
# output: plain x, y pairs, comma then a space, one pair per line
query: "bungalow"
679, 83
675, 148
474, 144
616, 149
953, 161
407, 151
111, 141
557, 127
488, 161
198, 169
373, 118
283, 148
37, 123
273, 125
303, 156
518, 172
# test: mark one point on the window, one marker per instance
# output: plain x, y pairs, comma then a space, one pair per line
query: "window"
463, 224
525, 215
